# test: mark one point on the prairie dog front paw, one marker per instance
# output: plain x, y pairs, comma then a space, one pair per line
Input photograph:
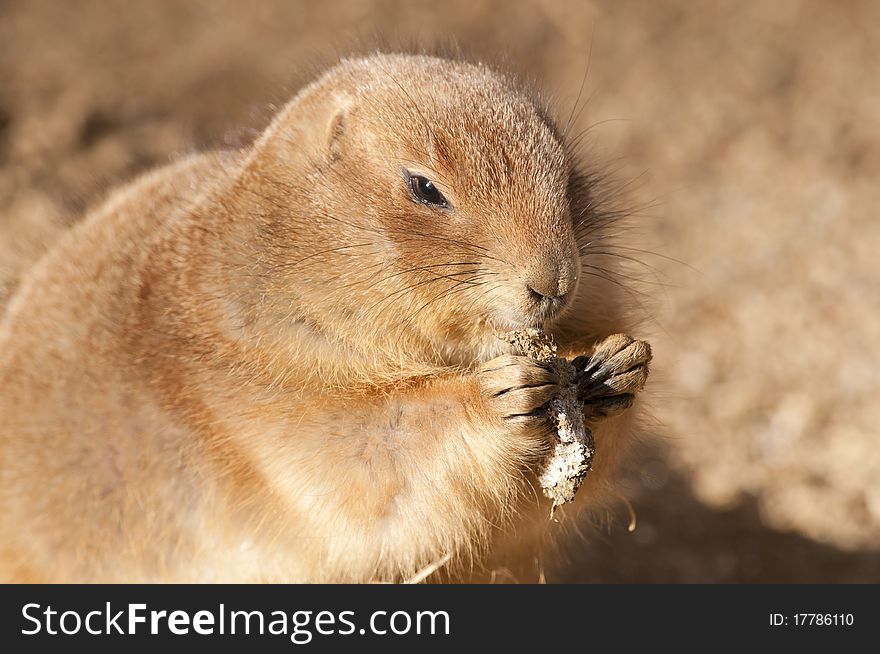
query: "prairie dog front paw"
517, 389
608, 381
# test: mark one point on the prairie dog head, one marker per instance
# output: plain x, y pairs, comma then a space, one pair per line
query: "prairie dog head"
422, 199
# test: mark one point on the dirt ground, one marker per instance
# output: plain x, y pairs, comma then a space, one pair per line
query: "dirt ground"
750, 132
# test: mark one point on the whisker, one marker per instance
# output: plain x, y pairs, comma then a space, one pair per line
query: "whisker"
411, 317
411, 287
574, 107
422, 269
483, 294
632, 278
293, 264
632, 292
650, 253
586, 252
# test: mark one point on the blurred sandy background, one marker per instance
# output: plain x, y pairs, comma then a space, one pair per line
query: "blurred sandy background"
751, 129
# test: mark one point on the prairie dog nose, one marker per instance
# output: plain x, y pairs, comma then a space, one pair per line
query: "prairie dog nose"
550, 282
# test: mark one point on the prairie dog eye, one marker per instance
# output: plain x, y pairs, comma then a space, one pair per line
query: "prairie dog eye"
424, 192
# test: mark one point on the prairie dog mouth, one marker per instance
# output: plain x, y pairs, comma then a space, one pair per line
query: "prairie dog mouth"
542, 316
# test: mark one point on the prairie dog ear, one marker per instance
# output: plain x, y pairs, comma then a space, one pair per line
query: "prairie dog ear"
328, 139
310, 130
336, 132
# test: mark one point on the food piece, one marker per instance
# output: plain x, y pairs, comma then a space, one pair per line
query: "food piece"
597, 386
564, 470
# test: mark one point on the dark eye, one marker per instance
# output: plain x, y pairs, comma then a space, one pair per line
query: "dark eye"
424, 191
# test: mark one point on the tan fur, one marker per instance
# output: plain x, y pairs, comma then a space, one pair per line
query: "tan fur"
264, 366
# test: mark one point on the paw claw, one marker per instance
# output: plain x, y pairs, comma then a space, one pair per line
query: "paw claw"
517, 389
617, 371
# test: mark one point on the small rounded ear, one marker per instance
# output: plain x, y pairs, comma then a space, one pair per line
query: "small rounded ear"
310, 131
335, 132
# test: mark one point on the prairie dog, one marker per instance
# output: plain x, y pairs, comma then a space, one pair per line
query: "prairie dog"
281, 363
